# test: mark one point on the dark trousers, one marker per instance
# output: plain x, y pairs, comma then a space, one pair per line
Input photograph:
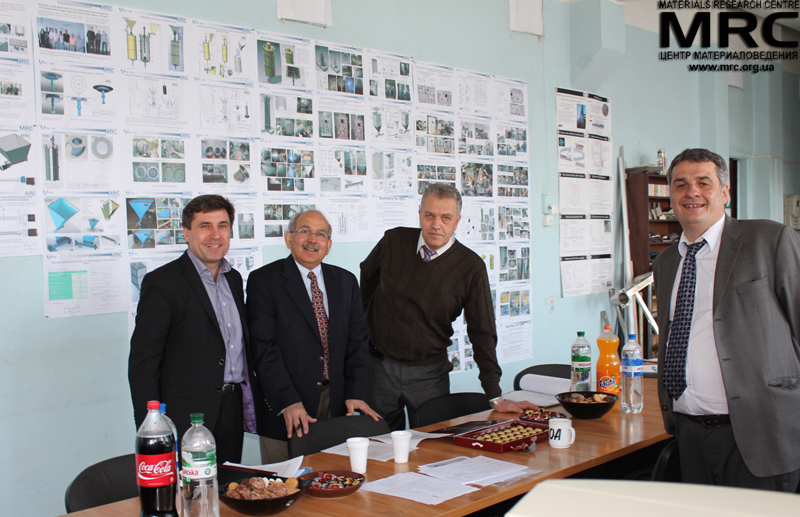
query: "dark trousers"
395, 387
710, 456
276, 451
228, 431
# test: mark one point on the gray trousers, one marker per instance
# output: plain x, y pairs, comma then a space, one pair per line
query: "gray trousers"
710, 456
395, 386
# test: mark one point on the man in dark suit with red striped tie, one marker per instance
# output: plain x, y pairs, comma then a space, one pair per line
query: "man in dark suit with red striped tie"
309, 336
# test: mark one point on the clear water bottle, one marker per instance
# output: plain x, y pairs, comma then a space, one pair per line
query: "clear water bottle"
199, 471
581, 364
632, 400
172, 426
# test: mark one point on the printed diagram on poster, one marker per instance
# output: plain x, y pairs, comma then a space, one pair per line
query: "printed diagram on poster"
515, 262
278, 214
83, 222
80, 160
432, 171
226, 107
475, 137
478, 222
73, 97
20, 224
391, 171
18, 163
158, 160
285, 113
341, 120
224, 53
225, 163
389, 76
511, 99
156, 101
154, 43
284, 61
474, 95
347, 215
289, 169
435, 85
390, 123
342, 169
512, 181
434, 132
477, 179
155, 221
339, 69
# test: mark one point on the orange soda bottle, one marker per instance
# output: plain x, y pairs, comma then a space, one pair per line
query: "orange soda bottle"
608, 374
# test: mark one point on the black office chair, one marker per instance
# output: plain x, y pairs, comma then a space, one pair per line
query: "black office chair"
668, 464
562, 371
106, 482
333, 431
449, 406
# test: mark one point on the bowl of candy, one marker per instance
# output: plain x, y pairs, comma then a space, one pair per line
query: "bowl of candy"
587, 405
333, 483
540, 415
262, 496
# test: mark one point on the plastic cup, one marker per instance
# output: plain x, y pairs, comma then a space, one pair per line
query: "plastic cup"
358, 449
401, 441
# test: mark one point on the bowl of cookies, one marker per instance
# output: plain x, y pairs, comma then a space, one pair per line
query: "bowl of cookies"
262, 495
587, 405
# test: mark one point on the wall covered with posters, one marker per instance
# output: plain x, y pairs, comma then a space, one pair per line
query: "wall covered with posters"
65, 376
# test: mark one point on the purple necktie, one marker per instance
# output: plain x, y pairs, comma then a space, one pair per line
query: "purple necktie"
428, 253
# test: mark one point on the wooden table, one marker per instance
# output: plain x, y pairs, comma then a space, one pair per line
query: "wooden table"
597, 442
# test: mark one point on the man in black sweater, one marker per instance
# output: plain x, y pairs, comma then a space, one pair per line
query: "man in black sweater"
414, 284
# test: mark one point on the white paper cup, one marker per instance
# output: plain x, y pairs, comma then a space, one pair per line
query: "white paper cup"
358, 449
401, 441
562, 435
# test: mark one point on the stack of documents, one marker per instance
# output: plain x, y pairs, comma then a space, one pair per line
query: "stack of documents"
480, 470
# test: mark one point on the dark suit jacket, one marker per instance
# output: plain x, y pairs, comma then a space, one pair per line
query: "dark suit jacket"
756, 312
177, 351
287, 347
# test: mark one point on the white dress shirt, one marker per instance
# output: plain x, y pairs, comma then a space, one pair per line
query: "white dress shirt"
705, 389
440, 251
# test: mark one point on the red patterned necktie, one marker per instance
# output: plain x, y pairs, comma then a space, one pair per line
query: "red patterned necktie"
322, 319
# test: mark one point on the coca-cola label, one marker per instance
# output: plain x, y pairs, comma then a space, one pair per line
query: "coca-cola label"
155, 470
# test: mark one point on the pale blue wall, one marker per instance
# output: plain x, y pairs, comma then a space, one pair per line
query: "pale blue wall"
66, 402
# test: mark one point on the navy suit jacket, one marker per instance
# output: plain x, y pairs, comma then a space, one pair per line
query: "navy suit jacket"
287, 347
177, 350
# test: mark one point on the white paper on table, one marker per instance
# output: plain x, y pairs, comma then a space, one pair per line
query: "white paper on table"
508, 478
377, 451
539, 389
471, 470
417, 487
416, 437
287, 468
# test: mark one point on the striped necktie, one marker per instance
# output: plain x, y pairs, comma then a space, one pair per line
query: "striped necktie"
428, 253
322, 319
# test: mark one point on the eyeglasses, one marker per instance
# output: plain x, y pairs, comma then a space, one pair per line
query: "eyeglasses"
307, 233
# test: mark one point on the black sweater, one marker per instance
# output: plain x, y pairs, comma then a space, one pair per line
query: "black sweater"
411, 304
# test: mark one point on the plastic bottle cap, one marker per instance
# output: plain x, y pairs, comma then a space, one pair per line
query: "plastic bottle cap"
607, 327
163, 407
154, 404
631, 336
196, 418
581, 334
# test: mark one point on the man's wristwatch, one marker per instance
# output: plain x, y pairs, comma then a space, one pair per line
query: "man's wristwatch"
496, 401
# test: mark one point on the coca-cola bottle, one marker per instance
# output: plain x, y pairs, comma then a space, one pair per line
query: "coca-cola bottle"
155, 465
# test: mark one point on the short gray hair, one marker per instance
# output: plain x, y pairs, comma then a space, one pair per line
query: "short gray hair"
700, 156
293, 221
442, 191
